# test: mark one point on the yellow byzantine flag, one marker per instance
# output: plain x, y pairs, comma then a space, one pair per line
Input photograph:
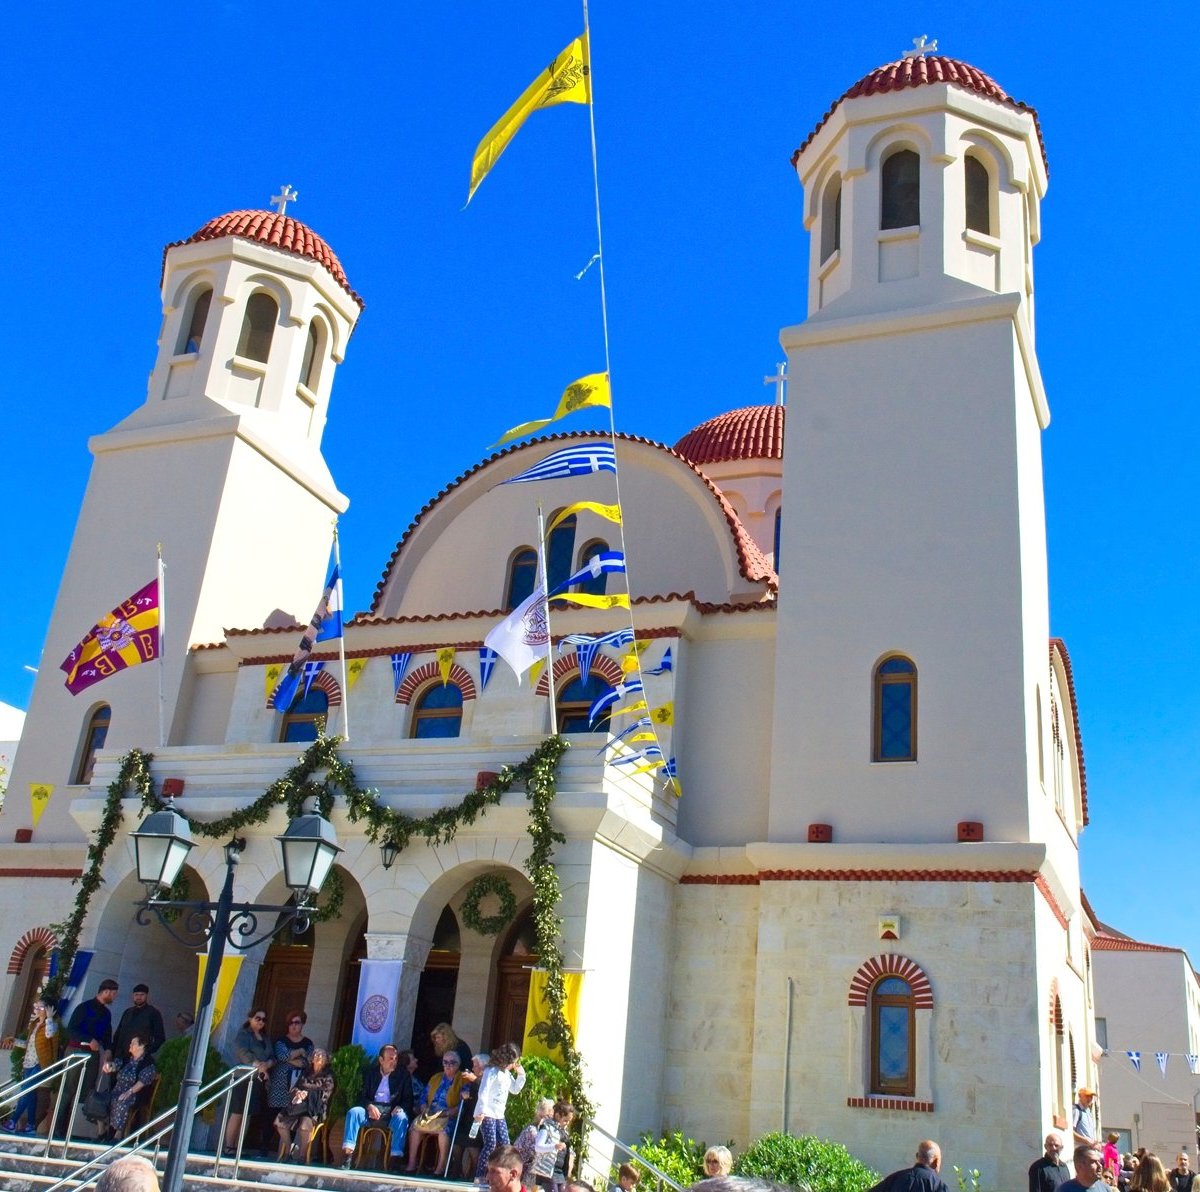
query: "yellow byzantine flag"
354, 670
611, 512
664, 714
274, 671
445, 660
566, 80
537, 1013
226, 979
39, 796
588, 600
586, 393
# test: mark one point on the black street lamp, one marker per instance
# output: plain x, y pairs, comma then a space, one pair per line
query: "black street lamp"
161, 845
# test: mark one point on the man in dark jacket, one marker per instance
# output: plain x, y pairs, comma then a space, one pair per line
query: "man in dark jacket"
921, 1177
89, 1029
1049, 1172
141, 1019
387, 1096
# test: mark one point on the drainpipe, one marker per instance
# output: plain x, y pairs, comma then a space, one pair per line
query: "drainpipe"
787, 1057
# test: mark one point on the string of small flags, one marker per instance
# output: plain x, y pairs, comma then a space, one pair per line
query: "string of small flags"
1161, 1058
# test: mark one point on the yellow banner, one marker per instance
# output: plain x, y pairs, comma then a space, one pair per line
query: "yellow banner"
537, 1012
586, 393
445, 660
588, 600
271, 679
226, 980
611, 513
39, 796
354, 669
565, 80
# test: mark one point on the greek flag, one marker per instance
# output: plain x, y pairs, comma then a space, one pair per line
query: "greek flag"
1193, 1062
399, 666
586, 646
331, 621
644, 722
611, 697
487, 664
601, 563
1135, 1058
641, 756
670, 769
665, 665
1161, 1057
578, 460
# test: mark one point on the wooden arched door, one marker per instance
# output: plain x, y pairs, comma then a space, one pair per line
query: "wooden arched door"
518, 957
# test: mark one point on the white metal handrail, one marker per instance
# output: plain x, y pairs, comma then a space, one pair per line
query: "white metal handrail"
53, 1072
661, 1178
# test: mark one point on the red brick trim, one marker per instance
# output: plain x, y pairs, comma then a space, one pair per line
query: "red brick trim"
891, 964
37, 937
890, 1103
568, 664
897, 875
70, 874
323, 682
719, 879
1052, 902
423, 674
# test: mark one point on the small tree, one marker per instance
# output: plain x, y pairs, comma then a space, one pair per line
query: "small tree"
347, 1065
674, 1154
171, 1061
805, 1162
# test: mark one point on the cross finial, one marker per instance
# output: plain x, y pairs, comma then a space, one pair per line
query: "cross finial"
285, 196
921, 46
779, 380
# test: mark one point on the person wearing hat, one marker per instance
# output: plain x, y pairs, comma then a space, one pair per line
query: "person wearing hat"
141, 1020
1084, 1123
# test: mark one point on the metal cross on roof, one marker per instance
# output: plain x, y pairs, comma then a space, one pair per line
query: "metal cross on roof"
921, 47
285, 196
779, 380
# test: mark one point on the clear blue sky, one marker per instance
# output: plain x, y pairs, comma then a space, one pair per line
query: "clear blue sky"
131, 126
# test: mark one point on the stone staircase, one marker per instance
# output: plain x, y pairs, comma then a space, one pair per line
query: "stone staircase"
24, 1168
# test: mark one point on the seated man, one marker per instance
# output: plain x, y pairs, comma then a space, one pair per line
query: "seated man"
387, 1093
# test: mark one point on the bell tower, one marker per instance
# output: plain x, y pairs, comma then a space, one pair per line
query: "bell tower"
222, 465
913, 621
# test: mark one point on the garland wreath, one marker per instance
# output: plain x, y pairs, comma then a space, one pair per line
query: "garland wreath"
538, 772
481, 887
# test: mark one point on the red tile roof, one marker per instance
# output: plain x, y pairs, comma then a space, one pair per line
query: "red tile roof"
1109, 939
752, 432
1058, 645
276, 231
922, 72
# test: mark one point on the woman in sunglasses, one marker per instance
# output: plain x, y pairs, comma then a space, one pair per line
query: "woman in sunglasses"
251, 1046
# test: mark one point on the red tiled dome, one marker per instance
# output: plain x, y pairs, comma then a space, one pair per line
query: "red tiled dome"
276, 231
921, 72
753, 432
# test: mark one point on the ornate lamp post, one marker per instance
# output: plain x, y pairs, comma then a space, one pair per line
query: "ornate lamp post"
161, 845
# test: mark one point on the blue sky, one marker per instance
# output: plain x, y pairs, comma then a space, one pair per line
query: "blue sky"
132, 128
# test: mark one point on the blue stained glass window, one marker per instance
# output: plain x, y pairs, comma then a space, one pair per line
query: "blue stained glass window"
595, 586
560, 550
892, 1024
574, 702
306, 717
894, 733
438, 712
893, 1043
522, 575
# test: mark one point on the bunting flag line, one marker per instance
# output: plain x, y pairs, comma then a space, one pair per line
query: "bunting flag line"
611, 697
354, 670
605, 562
1161, 1058
1135, 1058
629, 709
665, 714
124, 637
39, 796
579, 460
566, 80
589, 600
670, 772
587, 393
663, 666
640, 756
487, 664
522, 637
400, 663
326, 623
610, 513
445, 660
644, 722
586, 646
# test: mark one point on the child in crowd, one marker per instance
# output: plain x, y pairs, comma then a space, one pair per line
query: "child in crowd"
552, 1148
526, 1142
502, 1077
627, 1177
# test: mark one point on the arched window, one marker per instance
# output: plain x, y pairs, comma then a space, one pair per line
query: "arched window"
979, 195
574, 701
310, 366
258, 327
893, 1019
900, 205
895, 714
560, 550
831, 219
522, 576
306, 718
596, 586
437, 711
94, 736
193, 328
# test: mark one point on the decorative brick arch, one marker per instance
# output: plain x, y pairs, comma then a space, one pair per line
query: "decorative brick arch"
891, 964
568, 664
415, 679
323, 682
36, 937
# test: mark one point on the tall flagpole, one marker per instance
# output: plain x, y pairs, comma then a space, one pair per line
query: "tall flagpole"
337, 562
549, 635
162, 642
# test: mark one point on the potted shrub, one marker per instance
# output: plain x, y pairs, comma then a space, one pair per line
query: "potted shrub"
347, 1064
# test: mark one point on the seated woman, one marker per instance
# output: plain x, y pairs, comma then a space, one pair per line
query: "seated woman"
439, 1111
135, 1075
308, 1106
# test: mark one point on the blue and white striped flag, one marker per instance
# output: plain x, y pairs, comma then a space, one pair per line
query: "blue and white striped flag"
1193, 1062
643, 722
602, 563
1135, 1058
609, 698
578, 460
1161, 1057
665, 665
671, 769
331, 622
400, 663
642, 755
586, 646
487, 664
311, 671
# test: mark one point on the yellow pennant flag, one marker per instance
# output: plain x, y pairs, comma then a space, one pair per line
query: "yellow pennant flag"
630, 663
272, 679
625, 709
642, 737
535, 670
354, 668
664, 714
445, 660
592, 390
537, 1013
611, 512
645, 769
566, 80
616, 600
39, 796
226, 979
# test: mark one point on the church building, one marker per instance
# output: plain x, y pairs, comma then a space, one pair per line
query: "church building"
861, 916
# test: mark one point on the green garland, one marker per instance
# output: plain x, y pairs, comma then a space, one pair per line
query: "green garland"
481, 887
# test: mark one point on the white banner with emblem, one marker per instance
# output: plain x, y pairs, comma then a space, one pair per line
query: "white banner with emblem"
378, 985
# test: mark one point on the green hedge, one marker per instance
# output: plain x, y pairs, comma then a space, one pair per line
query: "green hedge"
805, 1162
